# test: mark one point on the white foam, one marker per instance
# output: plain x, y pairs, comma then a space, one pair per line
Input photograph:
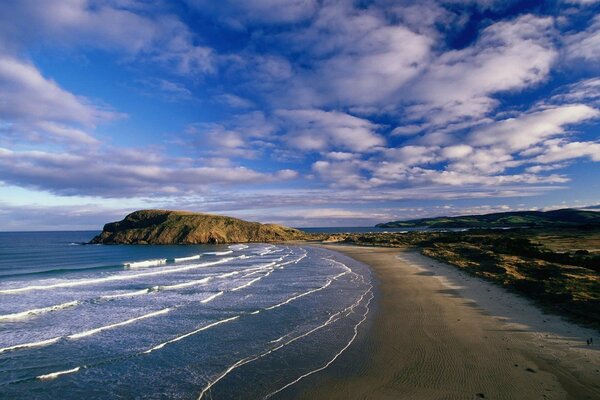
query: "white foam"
37, 311
190, 258
212, 297
219, 253
112, 278
55, 375
178, 338
185, 284
118, 324
30, 345
329, 281
146, 263
238, 247
249, 283
128, 294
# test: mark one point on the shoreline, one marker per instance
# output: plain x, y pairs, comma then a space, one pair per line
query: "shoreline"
437, 332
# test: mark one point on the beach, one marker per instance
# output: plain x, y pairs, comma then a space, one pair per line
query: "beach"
437, 333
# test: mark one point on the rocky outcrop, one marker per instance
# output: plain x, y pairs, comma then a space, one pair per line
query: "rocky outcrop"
181, 227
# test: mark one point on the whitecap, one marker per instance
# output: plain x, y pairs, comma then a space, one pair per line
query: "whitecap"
118, 324
219, 253
120, 277
238, 247
190, 258
30, 345
55, 375
178, 338
146, 263
37, 311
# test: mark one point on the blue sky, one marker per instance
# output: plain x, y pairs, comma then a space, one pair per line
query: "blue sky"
301, 112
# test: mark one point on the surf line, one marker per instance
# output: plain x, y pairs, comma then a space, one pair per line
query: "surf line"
83, 282
206, 327
90, 332
37, 311
333, 318
55, 375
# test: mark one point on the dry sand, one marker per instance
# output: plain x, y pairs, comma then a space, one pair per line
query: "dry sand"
437, 333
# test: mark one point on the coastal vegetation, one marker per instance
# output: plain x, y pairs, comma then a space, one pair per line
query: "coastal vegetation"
559, 269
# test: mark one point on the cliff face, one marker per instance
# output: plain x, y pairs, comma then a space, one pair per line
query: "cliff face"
181, 227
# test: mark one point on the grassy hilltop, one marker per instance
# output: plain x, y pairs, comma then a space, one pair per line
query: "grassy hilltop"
555, 218
182, 227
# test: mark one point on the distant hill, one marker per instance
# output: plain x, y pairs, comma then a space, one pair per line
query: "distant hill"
556, 218
182, 227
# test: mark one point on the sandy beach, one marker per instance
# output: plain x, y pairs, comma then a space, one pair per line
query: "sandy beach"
437, 333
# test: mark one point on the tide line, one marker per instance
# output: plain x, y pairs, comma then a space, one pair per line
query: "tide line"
333, 318
335, 357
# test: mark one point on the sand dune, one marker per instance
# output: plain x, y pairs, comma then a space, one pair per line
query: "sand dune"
438, 333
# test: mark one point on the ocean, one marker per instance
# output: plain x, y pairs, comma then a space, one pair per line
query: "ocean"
249, 321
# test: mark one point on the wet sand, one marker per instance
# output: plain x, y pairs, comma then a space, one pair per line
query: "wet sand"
437, 333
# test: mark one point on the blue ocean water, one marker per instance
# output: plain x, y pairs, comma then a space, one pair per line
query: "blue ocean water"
186, 322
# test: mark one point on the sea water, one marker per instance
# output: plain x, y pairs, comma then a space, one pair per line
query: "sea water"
187, 322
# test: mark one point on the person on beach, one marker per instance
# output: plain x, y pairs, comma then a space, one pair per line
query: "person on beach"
587, 342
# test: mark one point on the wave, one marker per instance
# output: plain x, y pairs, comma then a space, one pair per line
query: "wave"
238, 247
333, 318
296, 297
55, 375
118, 324
178, 338
41, 343
37, 311
212, 297
146, 263
57, 271
218, 253
112, 278
128, 294
190, 258
185, 284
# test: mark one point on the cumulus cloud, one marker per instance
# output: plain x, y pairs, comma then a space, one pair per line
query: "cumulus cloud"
508, 56
134, 27
531, 128
585, 45
318, 130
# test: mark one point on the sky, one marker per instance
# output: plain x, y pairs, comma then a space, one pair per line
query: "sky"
300, 112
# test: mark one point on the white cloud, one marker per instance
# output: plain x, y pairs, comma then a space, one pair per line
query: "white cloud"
28, 96
557, 150
361, 58
135, 28
318, 130
125, 174
585, 45
508, 56
531, 128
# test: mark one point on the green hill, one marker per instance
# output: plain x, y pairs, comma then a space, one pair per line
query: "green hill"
182, 227
556, 218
